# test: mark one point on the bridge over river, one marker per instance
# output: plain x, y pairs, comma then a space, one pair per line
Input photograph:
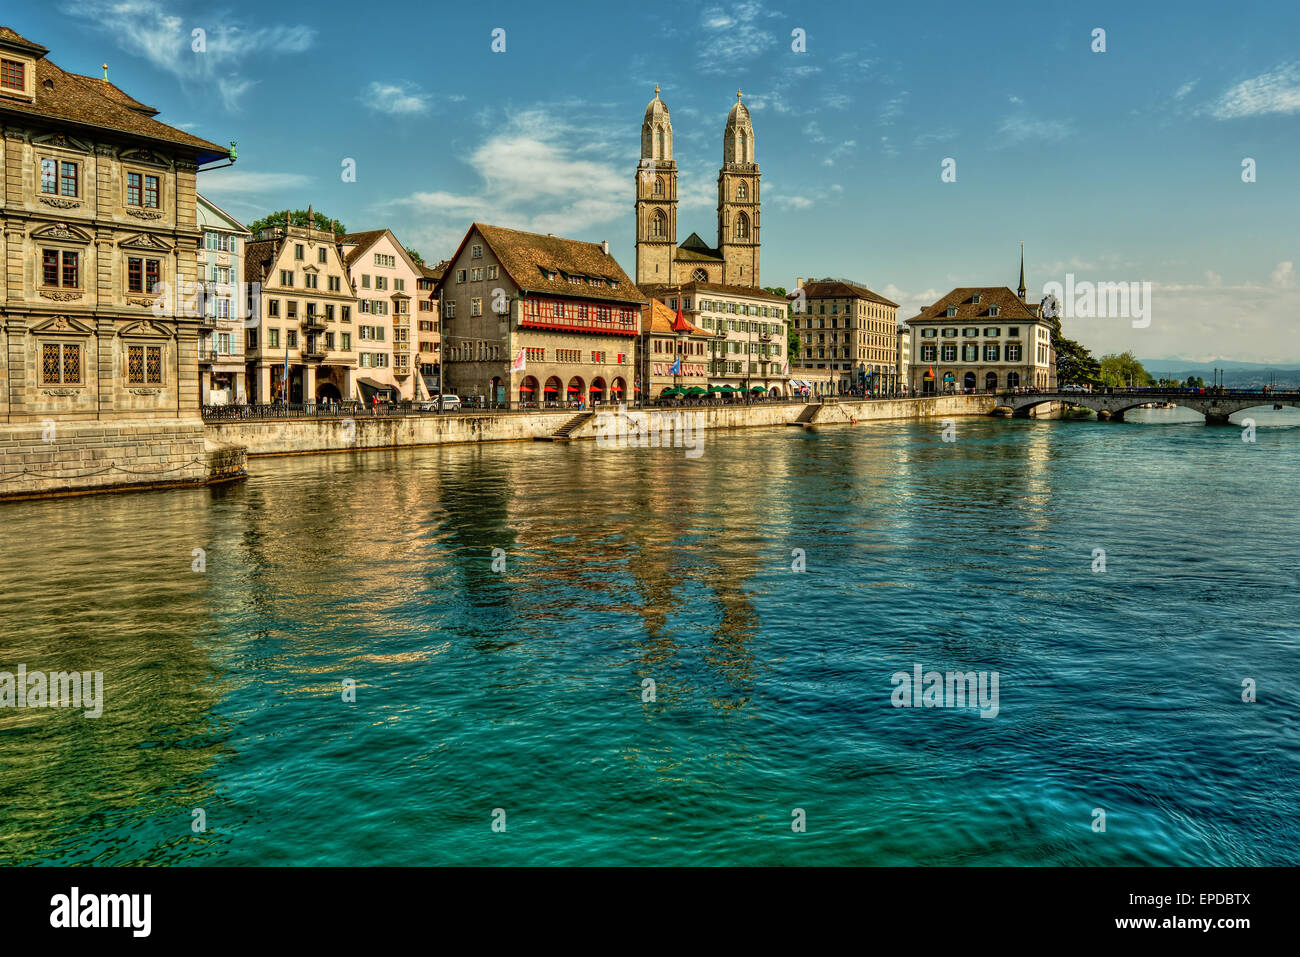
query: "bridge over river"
1215, 404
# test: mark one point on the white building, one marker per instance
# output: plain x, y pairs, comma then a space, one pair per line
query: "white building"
221, 341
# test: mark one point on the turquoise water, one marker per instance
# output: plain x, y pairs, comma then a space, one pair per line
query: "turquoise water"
521, 689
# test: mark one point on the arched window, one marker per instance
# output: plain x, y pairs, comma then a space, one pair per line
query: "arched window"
659, 225
660, 152
659, 185
700, 276
743, 148
742, 191
742, 226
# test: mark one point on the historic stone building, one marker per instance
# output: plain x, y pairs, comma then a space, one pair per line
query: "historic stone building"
673, 353
537, 319
428, 331
660, 260
221, 327
980, 340
747, 330
304, 347
99, 327
848, 338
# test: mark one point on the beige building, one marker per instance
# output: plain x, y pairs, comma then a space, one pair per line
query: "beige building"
304, 348
672, 353
981, 339
848, 338
387, 284
904, 337
746, 329
537, 319
221, 335
659, 259
98, 320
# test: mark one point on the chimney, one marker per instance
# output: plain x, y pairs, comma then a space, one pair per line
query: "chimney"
798, 283
604, 245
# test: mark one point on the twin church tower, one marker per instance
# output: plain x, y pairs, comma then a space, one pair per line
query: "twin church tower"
659, 258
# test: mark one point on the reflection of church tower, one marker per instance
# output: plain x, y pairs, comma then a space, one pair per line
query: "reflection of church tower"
656, 197
738, 200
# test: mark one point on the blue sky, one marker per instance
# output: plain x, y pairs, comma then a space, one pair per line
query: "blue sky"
1116, 166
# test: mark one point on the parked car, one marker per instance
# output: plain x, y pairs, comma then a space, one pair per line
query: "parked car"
448, 403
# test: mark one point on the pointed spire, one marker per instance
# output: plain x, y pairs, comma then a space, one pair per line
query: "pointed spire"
656, 89
1021, 290
739, 94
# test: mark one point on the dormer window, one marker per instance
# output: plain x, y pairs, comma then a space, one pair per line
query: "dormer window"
975, 298
993, 310
952, 311
13, 75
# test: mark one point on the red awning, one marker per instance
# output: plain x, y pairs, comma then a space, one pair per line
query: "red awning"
551, 388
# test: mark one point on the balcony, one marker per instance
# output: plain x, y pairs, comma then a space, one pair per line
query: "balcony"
313, 348
207, 355
207, 322
313, 321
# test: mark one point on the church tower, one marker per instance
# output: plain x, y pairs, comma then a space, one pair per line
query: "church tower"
656, 197
738, 200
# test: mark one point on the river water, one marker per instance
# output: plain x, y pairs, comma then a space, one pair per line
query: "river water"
517, 694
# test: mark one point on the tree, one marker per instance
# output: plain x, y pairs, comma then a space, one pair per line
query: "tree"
1122, 370
792, 342
298, 217
1195, 382
419, 260
1074, 361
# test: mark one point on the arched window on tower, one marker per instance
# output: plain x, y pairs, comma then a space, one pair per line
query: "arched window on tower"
659, 185
744, 148
742, 191
660, 152
659, 225
742, 226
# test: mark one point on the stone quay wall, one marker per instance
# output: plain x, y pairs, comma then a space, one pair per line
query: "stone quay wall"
298, 436
52, 457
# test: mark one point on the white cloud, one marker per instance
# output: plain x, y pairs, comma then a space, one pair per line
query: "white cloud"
1275, 92
1016, 100
531, 178
396, 99
1284, 275
1021, 129
732, 39
146, 28
1186, 88
893, 109
232, 180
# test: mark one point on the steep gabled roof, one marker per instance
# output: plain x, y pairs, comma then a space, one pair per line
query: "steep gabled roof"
530, 259
360, 243
1008, 303
96, 104
695, 249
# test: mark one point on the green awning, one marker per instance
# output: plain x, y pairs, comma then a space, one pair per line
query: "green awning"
758, 388
715, 388
728, 390
671, 391
695, 390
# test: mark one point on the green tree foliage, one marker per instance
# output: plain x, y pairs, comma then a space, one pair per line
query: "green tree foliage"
1074, 361
299, 218
1123, 370
419, 260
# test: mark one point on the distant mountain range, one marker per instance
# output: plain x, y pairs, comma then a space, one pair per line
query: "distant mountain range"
1236, 375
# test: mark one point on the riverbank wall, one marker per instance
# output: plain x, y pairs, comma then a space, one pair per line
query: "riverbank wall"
302, 436
55, 458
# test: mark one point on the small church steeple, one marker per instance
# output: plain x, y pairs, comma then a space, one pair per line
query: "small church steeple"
1020, 291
